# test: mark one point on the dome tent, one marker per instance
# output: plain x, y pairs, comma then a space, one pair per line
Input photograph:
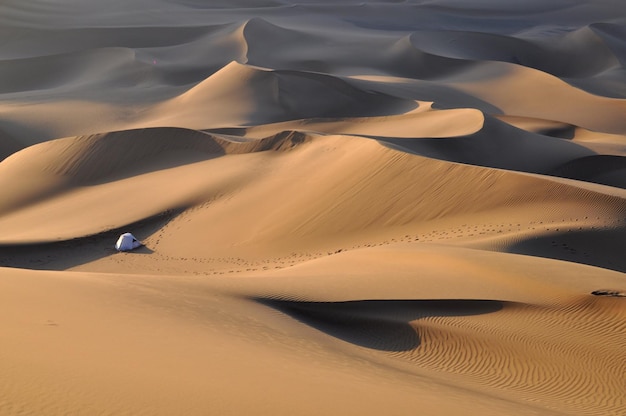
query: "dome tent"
127, 242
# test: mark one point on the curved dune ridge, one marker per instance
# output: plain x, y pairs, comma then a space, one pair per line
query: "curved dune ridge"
462, 337
358, 208
379, 324
277, 95
578, 54
479, 356
419, 191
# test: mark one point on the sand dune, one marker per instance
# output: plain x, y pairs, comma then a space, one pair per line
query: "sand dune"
225, 176
360, 208
423, 122
578, 54
515, 149
92, 67
407, 343
272, 96
514, 98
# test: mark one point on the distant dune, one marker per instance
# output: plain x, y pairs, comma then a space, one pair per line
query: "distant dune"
350, 208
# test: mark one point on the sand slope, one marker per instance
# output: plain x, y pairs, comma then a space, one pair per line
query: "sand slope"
360, 208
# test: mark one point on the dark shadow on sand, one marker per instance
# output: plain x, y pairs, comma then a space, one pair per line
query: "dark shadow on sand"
384, 325
142, 250
63, 255
594, 247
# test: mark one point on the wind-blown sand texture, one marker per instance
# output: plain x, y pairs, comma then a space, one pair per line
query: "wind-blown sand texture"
348, 208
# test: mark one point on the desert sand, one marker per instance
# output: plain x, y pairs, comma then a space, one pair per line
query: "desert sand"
347, 208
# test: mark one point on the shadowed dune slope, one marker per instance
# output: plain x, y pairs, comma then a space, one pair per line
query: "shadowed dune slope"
106, 67
499, 145
378, 324
8, 145
187, 75
225, 175
247, 95
603, 169
109, 176
578, 54
48, 168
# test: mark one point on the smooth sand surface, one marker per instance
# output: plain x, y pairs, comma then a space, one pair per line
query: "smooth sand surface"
350, 208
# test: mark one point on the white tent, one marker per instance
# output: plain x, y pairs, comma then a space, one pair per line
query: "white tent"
127, 242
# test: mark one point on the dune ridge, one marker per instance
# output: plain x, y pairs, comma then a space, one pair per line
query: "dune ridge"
418, 192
